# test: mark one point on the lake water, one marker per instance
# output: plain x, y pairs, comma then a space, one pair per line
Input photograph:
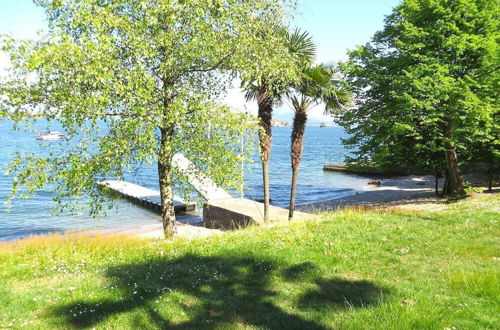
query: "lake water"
33, 216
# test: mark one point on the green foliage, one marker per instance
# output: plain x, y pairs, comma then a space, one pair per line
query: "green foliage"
270, 86
116, 73
469, 189
427, 82
388, 269
317, 84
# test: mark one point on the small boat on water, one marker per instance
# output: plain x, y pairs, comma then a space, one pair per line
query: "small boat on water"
324, 125
50, 136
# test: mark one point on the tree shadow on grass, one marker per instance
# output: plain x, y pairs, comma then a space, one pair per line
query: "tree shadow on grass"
304, 272
340, 293
209, 292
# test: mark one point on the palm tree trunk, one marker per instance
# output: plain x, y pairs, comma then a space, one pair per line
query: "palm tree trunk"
166, 184
265, 139
295, 174
297, 146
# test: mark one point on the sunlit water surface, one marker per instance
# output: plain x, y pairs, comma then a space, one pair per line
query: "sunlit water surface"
33, 216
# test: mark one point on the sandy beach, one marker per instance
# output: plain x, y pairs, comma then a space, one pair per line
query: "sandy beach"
394, 191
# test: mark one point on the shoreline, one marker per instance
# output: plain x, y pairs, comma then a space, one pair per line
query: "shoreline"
391, 191
394, 191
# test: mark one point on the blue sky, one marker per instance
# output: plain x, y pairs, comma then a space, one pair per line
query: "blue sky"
336, 26
339, 25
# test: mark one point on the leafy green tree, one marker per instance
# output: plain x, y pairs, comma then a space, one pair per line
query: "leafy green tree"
317, 84
487, 148
422, 85
135, 82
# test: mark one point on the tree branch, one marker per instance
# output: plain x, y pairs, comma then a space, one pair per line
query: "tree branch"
213, 67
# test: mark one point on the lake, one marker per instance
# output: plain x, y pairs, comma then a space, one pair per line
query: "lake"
33, 216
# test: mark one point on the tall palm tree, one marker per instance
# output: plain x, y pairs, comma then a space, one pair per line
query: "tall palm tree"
267, 96
317, 84
268, 91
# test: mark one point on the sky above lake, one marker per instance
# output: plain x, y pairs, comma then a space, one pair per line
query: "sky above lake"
336, 26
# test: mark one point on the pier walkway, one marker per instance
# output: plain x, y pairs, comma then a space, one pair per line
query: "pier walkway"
144, 196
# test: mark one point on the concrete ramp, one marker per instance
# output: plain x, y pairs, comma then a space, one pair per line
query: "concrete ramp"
205, 186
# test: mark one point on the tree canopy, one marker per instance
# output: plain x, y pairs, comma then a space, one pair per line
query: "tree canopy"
426, 86
137, 81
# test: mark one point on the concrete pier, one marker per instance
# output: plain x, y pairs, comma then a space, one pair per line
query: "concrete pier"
342, 167
202, 184
222, 211
145, 197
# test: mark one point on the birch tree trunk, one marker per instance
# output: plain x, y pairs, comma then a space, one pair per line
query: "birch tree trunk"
166, 183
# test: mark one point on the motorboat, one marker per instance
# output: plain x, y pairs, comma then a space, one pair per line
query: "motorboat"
50, 136
324, 125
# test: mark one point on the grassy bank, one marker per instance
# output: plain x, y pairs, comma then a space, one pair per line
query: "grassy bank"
361, 269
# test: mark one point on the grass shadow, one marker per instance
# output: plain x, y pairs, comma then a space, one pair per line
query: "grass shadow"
340, 293
211, 291
300, 272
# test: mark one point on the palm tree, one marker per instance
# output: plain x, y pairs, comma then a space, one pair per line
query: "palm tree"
267, 96
317, 84
268, 91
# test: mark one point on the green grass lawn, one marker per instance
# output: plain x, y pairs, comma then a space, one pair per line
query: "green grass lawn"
434, 269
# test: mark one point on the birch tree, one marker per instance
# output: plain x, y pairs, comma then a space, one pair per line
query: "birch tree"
135, 81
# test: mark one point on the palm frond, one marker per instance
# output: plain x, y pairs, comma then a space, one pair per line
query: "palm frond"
322, 84
251, 90
337, 97
301, 43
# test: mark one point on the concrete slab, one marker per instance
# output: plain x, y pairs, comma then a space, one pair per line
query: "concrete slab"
234, 213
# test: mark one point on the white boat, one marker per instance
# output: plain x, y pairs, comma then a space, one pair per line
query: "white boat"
324, 125
50, 136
